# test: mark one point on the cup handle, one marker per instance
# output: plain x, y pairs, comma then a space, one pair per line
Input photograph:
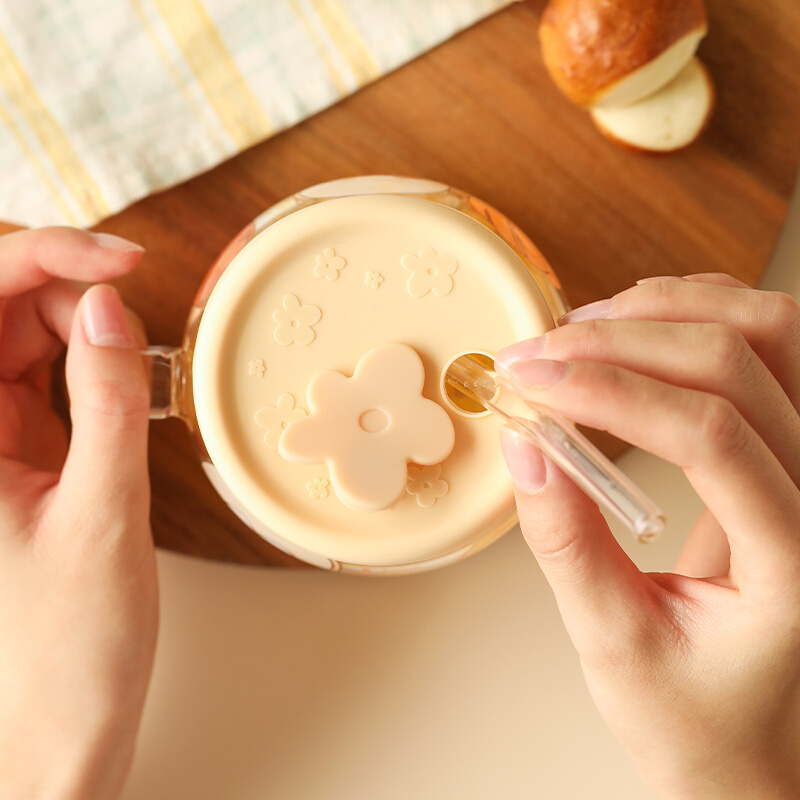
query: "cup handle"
165, 368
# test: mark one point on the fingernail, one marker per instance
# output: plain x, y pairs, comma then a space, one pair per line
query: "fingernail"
111, 242
530, 348
600, 309
103, 317
538, 373
524, 462
659, 278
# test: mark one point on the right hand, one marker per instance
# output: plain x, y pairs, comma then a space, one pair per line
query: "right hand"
696, 672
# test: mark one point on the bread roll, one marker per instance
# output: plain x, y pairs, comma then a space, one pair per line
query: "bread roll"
616, 52
668, 120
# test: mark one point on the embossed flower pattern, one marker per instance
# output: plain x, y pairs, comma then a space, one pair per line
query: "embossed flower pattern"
373, 280
257, 367
329, 264
317, 488
295, 322
368, 427
430, 272
276, 419
426, 485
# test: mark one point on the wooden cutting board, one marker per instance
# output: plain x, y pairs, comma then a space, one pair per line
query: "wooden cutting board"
481, 114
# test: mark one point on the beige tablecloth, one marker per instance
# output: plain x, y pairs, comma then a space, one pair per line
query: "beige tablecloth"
105, 101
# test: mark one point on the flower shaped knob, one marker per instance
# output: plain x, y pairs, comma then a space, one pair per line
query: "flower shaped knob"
367, 428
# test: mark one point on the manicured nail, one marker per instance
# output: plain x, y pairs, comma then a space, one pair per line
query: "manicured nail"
600, 309
538, 373
660, 278
530, 348
524, 462
111, 242
103, 317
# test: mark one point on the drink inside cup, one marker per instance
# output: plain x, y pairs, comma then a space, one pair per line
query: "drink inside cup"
317, 379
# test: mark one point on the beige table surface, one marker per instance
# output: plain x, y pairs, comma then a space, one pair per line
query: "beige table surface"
453, 685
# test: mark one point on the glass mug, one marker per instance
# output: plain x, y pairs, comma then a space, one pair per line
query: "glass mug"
311, 374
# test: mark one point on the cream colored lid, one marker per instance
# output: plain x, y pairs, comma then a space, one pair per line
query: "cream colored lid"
317, 377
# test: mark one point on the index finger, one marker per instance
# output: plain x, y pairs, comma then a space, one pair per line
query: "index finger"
769, 321
30, 258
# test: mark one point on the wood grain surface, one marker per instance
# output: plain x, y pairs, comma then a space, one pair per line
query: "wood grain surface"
480, 113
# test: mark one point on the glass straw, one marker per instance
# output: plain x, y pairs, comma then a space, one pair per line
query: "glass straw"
563, 444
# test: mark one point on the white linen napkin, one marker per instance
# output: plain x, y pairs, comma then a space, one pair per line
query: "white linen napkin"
103, 102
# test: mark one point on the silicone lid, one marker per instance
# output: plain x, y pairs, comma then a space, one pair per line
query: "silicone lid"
317, 377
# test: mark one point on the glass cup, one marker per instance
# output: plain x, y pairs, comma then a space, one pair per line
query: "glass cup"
311, 373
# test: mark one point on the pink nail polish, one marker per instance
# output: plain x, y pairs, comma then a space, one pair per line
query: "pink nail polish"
524, 462
103, 317
529, 349
538, 373
657, 278
110, 241
600, 309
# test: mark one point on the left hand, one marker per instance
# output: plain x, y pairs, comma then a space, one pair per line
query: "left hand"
78, 589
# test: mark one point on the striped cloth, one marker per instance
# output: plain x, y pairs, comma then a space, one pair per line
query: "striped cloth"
104, 101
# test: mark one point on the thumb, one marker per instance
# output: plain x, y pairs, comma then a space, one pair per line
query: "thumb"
106, 469
597, 587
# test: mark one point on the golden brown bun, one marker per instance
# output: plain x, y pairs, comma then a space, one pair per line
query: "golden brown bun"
588, 46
